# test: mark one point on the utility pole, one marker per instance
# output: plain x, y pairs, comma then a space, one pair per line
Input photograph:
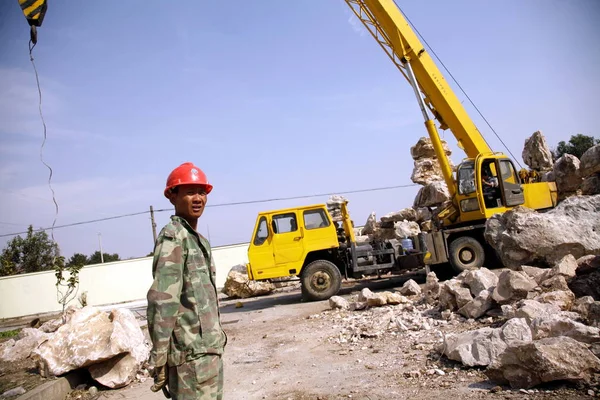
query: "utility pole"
100, 243
153, 223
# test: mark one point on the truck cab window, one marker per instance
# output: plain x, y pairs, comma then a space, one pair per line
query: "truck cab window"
284, 223
262, 233
314, 219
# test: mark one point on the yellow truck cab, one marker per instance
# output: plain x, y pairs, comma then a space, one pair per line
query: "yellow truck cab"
307, 242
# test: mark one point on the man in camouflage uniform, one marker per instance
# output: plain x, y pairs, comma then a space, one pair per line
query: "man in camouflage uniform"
183, 311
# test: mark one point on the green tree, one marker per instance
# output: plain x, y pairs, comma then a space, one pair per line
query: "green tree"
576, 146
36, 252
96, 259
78, 259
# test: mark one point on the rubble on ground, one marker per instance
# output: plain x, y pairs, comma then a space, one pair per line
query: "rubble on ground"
110, 345
523, 236
519, 316
536, 153
238, 285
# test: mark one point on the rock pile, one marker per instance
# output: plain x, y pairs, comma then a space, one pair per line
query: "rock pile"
537, 330
427, 172
111, 346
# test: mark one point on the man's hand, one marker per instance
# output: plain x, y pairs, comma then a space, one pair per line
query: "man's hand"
161, 377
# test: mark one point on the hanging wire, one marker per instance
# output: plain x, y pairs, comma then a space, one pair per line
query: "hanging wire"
37, 79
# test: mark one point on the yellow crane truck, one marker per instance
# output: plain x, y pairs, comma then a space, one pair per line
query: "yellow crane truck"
484, 183
308, 242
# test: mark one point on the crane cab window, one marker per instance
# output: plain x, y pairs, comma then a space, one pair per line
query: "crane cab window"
314, 219
466, 178
284, 223
262, 233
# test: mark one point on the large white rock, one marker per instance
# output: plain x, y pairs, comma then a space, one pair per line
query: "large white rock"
238, 285
513, 286
483, 346
408, 214
424, 149
590, 161
563, 299
371, 224
480, 279
90, 337
536, 153
426, 171
558, 326
410, 288
523, 236
406, 229
478, 347
432, 195
529, 364
479, 305
567, 174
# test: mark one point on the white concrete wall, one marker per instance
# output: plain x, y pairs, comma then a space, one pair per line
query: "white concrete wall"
108, 283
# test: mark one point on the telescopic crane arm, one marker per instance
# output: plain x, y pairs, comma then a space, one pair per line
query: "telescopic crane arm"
391, 30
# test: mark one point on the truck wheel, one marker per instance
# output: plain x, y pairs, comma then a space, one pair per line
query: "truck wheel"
321, 279
466, 253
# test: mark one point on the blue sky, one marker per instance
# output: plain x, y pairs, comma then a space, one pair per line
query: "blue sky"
271, 98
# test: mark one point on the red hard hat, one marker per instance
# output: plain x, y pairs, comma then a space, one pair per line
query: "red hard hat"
187, 174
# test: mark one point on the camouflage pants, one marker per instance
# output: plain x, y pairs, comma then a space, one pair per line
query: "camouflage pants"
200, 379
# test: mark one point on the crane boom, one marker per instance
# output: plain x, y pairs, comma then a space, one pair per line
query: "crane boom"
391, 30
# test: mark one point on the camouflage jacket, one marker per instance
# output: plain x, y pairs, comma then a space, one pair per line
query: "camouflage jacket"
183, 309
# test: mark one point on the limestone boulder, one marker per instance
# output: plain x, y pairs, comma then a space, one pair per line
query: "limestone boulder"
591, 185
513, 286
480, 279
93, 337
536, 153
555, 283
431, 288
371, 224
590, 161
479, 347
405, 229
426, 170
563, 299
523, 236
238, 285
410, 288
423, 214
559, 326
528, 364
582, 305
338, 302
538, 274
567, 174
406, 214
424, 149
433, 194
479, 305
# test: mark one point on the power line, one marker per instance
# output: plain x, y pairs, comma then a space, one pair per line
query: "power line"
219, 205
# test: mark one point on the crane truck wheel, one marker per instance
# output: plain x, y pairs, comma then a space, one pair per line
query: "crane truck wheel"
466, 253
320, 280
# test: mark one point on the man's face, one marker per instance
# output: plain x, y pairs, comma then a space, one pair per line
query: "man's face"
189, 201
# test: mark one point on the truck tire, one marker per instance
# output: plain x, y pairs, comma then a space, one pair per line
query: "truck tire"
466, 253
321, 279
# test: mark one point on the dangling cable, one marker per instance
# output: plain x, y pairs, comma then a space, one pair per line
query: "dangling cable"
31, 46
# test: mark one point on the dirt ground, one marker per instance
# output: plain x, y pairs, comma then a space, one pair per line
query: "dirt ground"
283, 348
